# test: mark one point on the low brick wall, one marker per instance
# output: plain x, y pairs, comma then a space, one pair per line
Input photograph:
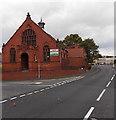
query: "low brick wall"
43, 74
19, 75
61, 73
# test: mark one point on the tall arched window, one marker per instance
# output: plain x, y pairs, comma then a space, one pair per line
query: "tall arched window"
29, 37
12, 55
46, 53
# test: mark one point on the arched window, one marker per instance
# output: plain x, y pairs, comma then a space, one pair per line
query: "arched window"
46, 53
29, 37
12, 55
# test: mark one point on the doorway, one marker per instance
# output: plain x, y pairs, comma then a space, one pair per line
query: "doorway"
24, 61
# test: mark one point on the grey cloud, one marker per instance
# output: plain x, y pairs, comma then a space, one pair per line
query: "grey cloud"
88, 19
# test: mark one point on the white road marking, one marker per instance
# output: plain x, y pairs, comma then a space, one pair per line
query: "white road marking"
47, 88
51, 86
37, 83
54, 85
3, 101
13, 98
22, 95
29, 93
108, 84
64, 81
88, 113
36, 91
68, 81
58, 83
98, 99
42, 90
113, 77
114, 71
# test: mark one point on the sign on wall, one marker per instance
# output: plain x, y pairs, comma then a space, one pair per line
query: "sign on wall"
54, 52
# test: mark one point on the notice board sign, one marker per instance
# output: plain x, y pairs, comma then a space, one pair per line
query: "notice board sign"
54, 52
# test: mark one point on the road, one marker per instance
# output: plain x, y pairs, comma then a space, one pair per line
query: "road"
91, 95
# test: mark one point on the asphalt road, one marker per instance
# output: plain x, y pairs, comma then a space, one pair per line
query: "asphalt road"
89, 96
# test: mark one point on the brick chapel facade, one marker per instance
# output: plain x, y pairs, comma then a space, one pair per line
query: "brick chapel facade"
29, 54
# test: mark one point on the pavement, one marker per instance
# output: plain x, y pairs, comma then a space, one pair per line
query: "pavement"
13, 88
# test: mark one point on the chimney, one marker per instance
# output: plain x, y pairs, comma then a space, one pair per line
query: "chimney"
28, 16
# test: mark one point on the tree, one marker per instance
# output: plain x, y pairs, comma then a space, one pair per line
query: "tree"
91, 49
72, 39
88, 44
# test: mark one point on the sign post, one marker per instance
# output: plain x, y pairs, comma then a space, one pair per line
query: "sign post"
39, 69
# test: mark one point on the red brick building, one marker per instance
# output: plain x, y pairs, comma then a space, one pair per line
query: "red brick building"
33, 53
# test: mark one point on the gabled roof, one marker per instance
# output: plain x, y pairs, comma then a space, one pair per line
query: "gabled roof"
28, 17
43, 30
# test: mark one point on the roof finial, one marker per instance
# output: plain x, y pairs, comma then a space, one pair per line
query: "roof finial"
28, 15
41, 19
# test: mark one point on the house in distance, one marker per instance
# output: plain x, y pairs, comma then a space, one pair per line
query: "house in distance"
32, 53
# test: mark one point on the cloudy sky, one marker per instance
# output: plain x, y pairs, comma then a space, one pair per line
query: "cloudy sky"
90, 19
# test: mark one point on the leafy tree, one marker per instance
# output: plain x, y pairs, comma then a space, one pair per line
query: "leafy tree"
88, 44
72, 39
91, 49
60, 44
